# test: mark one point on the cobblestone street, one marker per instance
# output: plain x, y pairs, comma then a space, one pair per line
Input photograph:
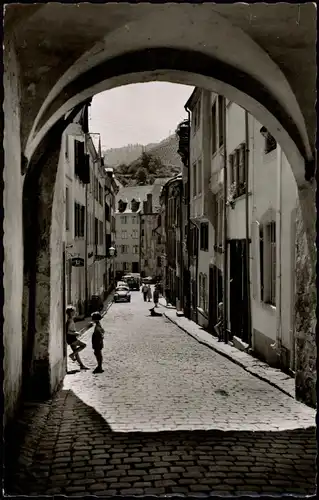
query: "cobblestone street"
168, 415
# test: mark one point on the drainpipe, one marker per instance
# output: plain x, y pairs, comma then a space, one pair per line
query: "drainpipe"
188, 212
247, 227
225, 301
278, 344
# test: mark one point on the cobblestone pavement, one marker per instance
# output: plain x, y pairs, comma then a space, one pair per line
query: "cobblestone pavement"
168, 415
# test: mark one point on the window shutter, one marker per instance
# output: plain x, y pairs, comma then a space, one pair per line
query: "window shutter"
255, 258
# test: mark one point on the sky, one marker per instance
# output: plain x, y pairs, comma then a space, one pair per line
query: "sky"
139, 113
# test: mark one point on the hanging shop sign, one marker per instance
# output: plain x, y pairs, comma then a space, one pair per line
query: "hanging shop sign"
77, 262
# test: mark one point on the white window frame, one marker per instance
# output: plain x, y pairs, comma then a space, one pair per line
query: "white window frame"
200, 176
124, 234
269, 277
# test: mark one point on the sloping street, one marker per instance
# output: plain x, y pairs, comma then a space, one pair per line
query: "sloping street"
168, 415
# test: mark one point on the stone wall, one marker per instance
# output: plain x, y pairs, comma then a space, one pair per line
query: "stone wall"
57, 314
306, 297
13, 239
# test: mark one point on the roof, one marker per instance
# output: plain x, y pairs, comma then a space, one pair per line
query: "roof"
139, 193
193, 99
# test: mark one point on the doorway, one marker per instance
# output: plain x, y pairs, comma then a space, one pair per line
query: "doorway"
215, 296
238, 290
135, 267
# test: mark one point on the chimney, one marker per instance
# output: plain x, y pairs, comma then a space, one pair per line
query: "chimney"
149, 203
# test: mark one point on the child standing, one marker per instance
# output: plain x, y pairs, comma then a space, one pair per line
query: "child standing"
72, 338
97, 341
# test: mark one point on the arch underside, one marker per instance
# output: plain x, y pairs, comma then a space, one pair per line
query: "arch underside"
185, 67
260, 56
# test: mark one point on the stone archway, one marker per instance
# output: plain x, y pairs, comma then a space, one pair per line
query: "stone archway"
178, 45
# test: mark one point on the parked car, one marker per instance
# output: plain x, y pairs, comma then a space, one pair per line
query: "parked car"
133, 283
122, 294
121, 283
148, 280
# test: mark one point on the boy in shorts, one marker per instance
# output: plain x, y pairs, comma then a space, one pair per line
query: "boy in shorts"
72, 338
97, 341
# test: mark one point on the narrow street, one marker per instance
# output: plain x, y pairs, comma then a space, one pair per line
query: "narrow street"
169, 415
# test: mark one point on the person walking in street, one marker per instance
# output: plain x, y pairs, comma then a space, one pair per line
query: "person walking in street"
72, 338
144, 292
149, 293
219, 327
156, 297
97, 341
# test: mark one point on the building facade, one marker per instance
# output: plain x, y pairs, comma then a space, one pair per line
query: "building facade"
243, 202
89, 208
172, 237
138, 237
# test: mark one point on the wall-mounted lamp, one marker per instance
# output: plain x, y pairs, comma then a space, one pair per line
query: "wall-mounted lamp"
111, 251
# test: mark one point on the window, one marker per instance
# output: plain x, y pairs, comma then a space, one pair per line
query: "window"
78, 157
67, 210
135, 234
204, 236
79, 220
125, 266
219, 221
142, 232
134, 219
123, 219
107, 212
124, 235
237, 162
159, 239
135, 249
96, 231
270, 141
145, 262
159, 261
194, 179
241, 170
124, 248
271, 237
101, 232
268, 263
214, 129
221, 119
200, 179
203, 297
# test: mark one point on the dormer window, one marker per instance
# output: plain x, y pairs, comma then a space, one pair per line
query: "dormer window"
122, 206
270, 141
135, 205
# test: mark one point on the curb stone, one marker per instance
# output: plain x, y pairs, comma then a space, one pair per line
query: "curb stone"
238, 362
